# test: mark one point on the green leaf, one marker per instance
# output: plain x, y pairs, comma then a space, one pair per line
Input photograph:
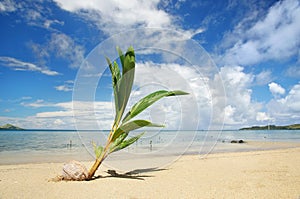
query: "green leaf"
126, 143
115, 71
116, 76
118, 141
129, 60
98, 150
133, 125
122, 57
124, 86
123, 92
148, 101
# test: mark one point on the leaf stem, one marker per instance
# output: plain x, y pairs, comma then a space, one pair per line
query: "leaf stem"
104, 154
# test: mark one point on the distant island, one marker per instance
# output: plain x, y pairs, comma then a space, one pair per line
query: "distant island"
10, 127
273, 127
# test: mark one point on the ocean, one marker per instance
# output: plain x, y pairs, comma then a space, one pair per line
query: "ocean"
61, 146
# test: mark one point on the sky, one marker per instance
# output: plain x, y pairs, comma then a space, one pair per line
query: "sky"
253, 59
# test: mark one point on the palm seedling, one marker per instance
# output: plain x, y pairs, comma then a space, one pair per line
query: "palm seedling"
122, 82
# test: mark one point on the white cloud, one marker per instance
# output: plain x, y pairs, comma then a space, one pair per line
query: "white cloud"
235, 76
16, 64
54, 114
262, 116
83, 115
33, 13
61, 46
67, 115
206, 92
177, 112
205, 100
186, 112
64, 47
66, 87
48, 23
240, 108
229, 115
167, 72
112, 15
292, 100
275, 37
286, 110
37, 104
294, 71
276, 89
263, 77
59, 122
7, 6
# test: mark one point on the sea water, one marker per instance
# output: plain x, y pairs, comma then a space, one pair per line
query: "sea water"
59, 146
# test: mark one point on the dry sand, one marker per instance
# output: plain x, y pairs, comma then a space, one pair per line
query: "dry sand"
255, 174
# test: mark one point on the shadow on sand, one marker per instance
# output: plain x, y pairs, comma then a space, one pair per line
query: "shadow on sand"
137, 174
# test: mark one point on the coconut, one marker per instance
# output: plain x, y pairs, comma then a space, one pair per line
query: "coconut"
74, 170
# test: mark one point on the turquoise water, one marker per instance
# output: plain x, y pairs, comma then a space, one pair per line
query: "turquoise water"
49, 146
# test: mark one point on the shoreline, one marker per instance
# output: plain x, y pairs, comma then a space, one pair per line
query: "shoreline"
37, 157
254, 174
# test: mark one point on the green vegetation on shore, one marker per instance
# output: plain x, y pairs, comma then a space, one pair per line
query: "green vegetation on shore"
10, 127
273, 127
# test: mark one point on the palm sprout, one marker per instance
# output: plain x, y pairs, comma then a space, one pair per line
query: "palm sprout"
122, 82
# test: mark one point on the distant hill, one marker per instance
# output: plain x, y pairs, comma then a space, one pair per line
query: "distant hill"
10, 127
273, 127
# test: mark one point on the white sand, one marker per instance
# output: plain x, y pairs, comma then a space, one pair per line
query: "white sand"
256, 174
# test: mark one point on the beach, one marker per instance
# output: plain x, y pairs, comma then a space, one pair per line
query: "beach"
272, 173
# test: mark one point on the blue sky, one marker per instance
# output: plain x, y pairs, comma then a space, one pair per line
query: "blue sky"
254, 44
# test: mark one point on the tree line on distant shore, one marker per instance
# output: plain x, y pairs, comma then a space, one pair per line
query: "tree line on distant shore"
273, 127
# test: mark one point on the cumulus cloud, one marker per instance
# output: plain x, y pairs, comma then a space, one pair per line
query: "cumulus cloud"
274, 37
182, 112
234, 109
16, 64
240, 108
263, 116
287, 109
111, 15
276, 89
187, 112
116, 16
